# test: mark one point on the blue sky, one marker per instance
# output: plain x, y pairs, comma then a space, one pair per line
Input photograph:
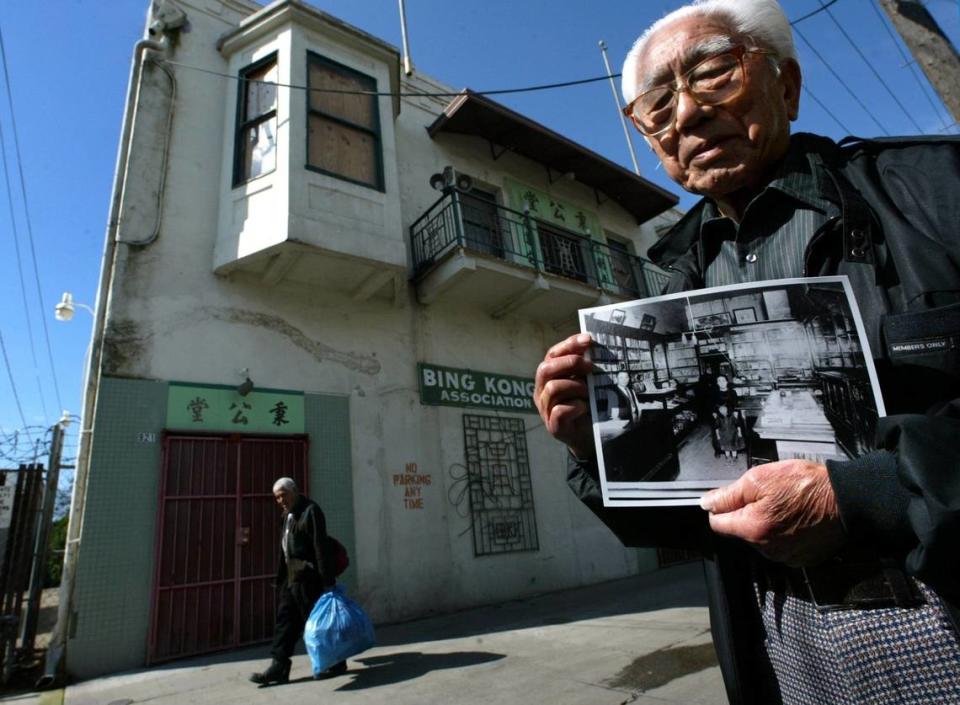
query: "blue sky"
68, 62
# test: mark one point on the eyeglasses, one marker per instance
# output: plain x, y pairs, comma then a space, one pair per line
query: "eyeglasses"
713, 81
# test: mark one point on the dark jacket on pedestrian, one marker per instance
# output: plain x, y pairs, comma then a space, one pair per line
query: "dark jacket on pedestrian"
894, 230
309, 555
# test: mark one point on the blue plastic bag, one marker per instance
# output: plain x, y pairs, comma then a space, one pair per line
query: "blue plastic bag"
336, 629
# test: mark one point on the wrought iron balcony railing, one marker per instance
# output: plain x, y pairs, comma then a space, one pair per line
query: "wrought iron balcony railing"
463, 220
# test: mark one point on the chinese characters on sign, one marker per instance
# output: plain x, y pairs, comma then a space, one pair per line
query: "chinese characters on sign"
240, 417
553, 210
279, 411
412, 483
196, 407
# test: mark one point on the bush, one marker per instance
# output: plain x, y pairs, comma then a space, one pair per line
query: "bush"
57, 541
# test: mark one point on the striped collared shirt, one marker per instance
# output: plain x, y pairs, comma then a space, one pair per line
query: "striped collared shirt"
770, 240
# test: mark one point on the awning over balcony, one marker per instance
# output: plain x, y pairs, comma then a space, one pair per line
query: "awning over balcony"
473, 114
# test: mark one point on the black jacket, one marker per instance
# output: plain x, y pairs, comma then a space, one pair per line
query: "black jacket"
895, 232
309, 552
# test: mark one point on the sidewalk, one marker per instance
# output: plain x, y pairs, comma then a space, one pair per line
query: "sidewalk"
640, 640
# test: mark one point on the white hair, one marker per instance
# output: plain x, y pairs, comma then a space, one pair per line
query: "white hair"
285, 483
762, 21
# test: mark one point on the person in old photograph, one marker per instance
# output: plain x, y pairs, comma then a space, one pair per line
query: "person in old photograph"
725, 394
728, 429
718, 393
873, 616
625, 405
622, 433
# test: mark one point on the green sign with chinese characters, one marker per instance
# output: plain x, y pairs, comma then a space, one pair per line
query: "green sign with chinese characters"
450, 386
545, 208
216, 408
553, 210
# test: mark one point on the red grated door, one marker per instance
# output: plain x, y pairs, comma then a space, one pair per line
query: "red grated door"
218, 541
261, 462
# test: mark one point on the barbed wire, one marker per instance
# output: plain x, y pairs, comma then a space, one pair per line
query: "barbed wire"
23, 446
32, 444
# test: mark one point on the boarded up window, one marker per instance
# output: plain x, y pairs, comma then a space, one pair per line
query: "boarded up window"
355, 107
342, 150
343, 134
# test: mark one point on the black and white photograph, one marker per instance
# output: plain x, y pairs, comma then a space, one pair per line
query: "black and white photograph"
691, 390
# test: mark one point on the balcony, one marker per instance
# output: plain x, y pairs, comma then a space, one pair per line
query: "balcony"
509, 262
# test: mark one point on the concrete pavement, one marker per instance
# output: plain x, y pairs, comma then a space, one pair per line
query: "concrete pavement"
640, 640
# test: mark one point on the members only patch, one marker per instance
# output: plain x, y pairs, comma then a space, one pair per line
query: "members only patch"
925, 345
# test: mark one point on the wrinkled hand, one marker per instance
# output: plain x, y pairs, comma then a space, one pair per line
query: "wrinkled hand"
787, 510
561, 396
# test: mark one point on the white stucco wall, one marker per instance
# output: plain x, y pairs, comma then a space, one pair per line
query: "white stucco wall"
172, 318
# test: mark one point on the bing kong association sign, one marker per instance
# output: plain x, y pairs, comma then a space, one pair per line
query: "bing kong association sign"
450, 386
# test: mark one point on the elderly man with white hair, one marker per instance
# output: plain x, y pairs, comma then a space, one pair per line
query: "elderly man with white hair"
304, 573
836, 582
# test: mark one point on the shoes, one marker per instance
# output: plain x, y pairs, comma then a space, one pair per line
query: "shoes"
337, 669
278, 672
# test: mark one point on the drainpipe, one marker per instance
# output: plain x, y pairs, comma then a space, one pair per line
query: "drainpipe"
457, 217
55, 667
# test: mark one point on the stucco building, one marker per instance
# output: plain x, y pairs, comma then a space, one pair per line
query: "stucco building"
311, 272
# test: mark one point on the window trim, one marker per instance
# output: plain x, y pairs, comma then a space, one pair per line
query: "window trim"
241, 125
376, 133
624, 244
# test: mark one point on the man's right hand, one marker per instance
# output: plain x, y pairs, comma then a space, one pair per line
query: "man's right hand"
561, 394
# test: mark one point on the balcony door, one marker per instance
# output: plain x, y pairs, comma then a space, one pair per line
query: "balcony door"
563, 253
481, 224
621, 267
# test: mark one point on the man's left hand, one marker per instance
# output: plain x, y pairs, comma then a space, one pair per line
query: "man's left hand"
786, 510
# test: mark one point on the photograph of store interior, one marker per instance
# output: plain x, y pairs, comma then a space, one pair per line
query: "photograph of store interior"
689, 391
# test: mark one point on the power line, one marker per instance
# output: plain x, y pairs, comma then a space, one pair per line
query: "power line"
872, 69
842, 82
13, 385
400, 94
909, 61
435, 94
26, 212
16, 249
827, 110
815, 12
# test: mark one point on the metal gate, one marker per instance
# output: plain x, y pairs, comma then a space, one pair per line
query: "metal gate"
18, 525
217, 542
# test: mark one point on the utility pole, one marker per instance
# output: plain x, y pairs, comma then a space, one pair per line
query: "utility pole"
28, 633
616, 100
930, 47
407, 62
